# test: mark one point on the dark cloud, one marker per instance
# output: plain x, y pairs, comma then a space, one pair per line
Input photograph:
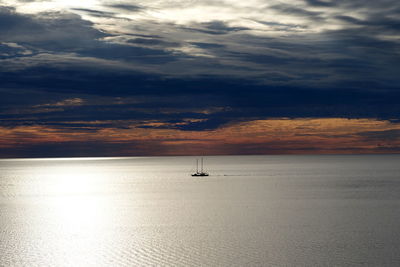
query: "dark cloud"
202, 125
66, 33
12, 50
52, 31
370, 6
126, 7
128, 53
152, 42
387, 135
96, 13
233, 100
288, 27
12, 24
297, 11
207, 45
214, 27
374, 23
349, 72
319, 3
349, 19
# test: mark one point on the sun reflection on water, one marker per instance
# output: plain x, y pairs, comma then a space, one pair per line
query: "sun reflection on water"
73, 213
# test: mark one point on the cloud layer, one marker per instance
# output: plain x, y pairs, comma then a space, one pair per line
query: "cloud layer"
196, 65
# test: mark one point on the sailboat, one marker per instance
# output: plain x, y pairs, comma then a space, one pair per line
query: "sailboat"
201, 172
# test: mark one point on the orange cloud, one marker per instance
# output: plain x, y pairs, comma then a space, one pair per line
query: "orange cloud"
274, 136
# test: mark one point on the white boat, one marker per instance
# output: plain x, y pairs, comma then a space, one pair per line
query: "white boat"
201, 172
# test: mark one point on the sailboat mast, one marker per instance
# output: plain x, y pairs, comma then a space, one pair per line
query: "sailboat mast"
201, 164
197, 165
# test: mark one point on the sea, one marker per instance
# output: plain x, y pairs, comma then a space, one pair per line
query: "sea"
314, 210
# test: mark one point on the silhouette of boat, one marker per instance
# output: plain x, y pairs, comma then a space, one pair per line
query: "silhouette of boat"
201, 172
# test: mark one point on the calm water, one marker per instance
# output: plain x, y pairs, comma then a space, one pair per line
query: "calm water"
252, 211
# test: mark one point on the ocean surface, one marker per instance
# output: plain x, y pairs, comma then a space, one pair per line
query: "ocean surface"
251, 211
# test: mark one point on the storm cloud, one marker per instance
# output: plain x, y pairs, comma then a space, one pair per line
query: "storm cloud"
197, 65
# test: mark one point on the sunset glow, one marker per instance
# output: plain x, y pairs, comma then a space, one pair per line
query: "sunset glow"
277, 136
109, 78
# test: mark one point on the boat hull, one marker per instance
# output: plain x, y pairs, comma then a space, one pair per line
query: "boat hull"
199, 174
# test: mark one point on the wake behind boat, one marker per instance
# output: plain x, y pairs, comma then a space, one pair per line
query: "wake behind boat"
201, 172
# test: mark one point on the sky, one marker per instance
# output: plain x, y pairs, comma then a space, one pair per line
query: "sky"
199, 77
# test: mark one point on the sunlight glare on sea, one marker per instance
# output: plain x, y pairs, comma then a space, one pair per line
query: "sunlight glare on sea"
251, 211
